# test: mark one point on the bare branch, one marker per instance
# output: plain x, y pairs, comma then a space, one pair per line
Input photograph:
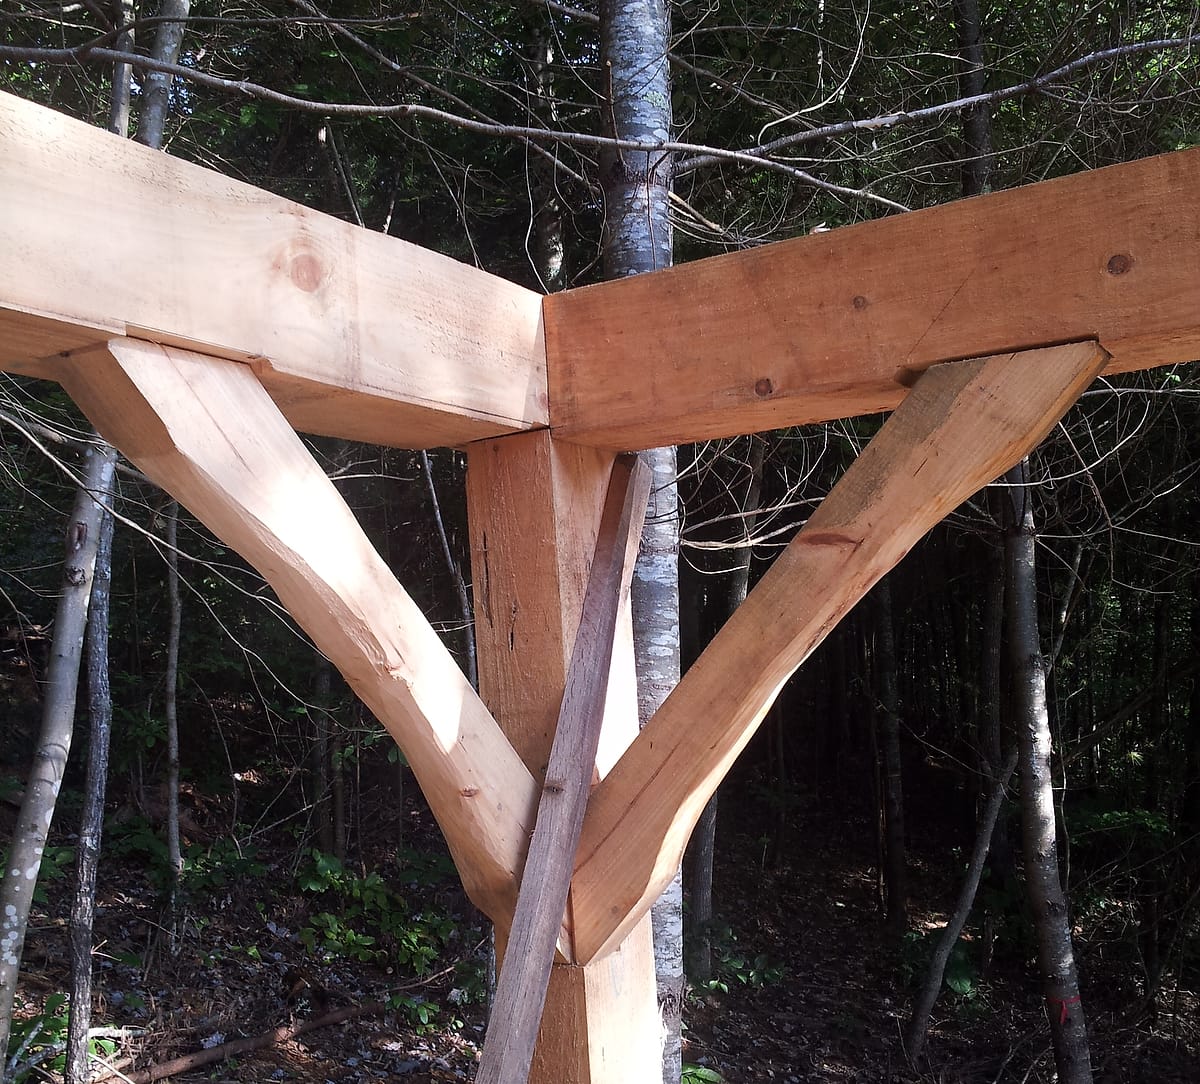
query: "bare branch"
958, 105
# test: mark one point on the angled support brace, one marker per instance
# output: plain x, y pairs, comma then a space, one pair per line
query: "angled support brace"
546, 880
961, 426
207, 432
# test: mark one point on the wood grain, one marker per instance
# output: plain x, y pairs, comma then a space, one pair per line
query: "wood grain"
837, 324
206, 431
963, 425
529, 955
535, 506
353, 333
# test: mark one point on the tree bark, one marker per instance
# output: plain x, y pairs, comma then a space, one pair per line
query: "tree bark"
656, 646
703, 845
919, 1022
156, 87
87, 857
1056, 954
895, 857
171, 713
634, 37
322, 784
91, 828
58, 722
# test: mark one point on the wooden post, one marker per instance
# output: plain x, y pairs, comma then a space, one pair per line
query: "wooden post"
535, 511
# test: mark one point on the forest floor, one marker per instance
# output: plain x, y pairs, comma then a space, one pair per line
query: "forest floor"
807, 987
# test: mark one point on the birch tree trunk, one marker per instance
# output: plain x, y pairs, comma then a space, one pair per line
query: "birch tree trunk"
58, 724
634, 36
1047, 900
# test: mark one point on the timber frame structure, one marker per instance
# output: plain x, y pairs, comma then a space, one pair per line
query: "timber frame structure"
199, 323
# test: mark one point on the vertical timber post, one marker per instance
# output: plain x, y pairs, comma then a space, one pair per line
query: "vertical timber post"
534, 508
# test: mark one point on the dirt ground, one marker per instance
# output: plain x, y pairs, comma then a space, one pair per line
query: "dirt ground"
812, 990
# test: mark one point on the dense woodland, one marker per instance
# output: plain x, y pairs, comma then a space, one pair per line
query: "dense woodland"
266, 858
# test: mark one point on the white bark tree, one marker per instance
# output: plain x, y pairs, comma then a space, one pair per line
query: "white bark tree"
58, 725
634, 37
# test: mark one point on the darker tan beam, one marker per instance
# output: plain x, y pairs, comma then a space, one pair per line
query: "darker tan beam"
837, 324
353, 334
963, 425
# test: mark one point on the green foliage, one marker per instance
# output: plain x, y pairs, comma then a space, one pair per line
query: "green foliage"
206, 868
420, 1013
136, 838
57, 863
363, 919
961, 976
219, 865
1120, 828
41, 1041
737, 969
700, 1074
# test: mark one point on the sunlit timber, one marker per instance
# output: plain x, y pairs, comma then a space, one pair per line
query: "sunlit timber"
199, 322
205, 430
962, 426
837, 324
352, 333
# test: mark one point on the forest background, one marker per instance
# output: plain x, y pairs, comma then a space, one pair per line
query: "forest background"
476, 130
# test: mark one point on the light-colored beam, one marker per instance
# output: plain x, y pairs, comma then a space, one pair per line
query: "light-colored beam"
961, 426
837, 324
352, 333
535, 508
546, 879
204, 430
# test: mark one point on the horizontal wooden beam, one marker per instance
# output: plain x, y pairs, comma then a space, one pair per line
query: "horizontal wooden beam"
204, 429
352, 333
837, 324
962, 426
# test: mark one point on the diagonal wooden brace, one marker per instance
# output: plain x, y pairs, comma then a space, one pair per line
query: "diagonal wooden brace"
961, 426
525, 974
206, 431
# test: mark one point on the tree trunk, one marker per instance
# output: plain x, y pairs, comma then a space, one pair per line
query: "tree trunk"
87, 858
171, 714
156, 86
918, 1025
1047, 900
322, 784
895, 858
656, 645
634, 38
703, 845
91, 827
58, 723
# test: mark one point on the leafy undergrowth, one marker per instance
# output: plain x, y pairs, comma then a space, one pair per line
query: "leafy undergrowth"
806, 987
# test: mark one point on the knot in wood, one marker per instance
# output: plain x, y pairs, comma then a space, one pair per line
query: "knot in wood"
305, 271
